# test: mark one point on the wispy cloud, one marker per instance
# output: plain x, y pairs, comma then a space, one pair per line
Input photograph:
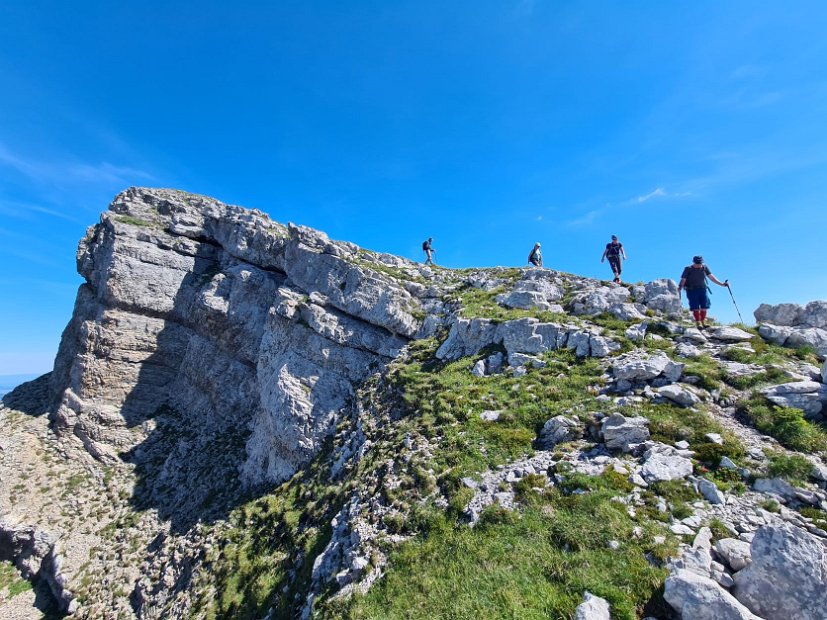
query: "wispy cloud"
71, 171
656, 194
28, 211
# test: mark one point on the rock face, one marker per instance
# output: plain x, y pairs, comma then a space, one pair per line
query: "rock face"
253, 332
787, 577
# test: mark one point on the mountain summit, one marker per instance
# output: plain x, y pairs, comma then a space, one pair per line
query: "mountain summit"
250, 420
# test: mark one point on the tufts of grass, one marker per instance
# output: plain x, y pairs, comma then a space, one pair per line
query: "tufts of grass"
707, 370
787, 425
766, 377
670, 424
794, 468
11, 581
819, 517
134, 221
445, 401
532, 565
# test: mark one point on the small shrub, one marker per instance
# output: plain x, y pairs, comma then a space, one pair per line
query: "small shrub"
787, 425
719, 530
819, 517
794, 468
497, 515
770, 505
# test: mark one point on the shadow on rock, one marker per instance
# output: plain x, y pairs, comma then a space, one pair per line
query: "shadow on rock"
32, 398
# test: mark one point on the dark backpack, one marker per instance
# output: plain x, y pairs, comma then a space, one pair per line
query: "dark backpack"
426, 246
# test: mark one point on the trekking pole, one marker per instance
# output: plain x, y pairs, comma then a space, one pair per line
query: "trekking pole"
733, 301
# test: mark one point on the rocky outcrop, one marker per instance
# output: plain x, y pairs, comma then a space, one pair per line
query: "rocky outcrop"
794, 325
241, 326
522, 336
809, 396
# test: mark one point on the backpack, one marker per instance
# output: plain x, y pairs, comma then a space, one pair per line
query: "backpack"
426, 246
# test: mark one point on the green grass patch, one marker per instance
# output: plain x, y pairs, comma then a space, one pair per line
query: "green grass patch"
134, 221
707, 370
445, 400
669, 424
819, 517
794, 468
787, 425
11, 581
532, 565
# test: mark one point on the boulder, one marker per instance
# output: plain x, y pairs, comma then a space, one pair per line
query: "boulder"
710, 492
521, 359
661, 295
663, 463
729, 334
775, 486
626, 312
637, 366
537, 290
736, 553
597, 300
593, 608
600, 346
636, 333
814, 314
679, 394
779, 314
695, 597
490, 415
685, 349
466, 337
696, 559
805, 395
787, 577
559, 429
622, 433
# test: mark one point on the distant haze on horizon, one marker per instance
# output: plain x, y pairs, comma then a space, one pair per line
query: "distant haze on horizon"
683, 128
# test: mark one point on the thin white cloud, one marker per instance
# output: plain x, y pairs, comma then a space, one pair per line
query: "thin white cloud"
28, 211
656, 193
72, 171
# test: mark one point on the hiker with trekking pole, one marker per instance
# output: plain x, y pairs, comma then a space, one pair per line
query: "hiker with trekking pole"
429, 251
616, 254
535, 257
693, 280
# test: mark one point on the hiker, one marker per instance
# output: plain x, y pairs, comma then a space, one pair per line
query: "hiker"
616, 254
429, 251
693, 279
535, 257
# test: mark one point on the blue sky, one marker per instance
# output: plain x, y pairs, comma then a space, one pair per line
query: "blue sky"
682, 127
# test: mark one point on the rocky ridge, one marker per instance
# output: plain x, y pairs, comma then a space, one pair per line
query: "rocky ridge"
224, 376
